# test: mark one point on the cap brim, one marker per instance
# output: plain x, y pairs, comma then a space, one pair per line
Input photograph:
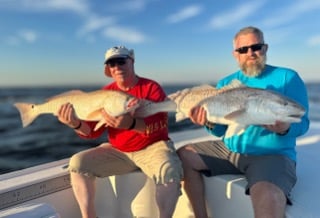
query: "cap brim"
115, 56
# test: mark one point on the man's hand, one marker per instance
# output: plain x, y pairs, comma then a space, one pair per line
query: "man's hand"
67, 115
279, 127
198, 115
119, 122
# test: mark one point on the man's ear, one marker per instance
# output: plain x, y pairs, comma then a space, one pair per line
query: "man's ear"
235, 54
265, 47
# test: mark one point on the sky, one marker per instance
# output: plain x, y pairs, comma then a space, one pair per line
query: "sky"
63, 42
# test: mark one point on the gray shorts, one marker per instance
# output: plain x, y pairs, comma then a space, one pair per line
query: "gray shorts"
158, 161
277, 169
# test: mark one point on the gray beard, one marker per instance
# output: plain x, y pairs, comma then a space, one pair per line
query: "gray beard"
256, 69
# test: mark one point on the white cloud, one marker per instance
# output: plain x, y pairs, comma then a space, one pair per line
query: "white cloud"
314, 40
22, 36
235, 15
28, 36
78, 6
95, 23
292, 12
124, 34
185, 13
129, 5
92, 22
276, 36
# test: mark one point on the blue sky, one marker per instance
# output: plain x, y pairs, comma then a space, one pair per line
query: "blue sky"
62, 42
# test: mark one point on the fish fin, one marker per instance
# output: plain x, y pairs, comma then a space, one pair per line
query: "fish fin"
174, 95
202, 87
99, 124
27, 113
235, 83
195, 89
148, 108
133, 104
234, 129
235, 114
94, 115
64, 94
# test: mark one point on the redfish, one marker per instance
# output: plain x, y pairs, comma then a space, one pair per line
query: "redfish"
87, 105
235, 105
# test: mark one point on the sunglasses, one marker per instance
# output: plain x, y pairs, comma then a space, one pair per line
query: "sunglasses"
254, 47
116, 61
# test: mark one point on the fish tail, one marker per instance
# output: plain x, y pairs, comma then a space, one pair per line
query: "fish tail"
27, 113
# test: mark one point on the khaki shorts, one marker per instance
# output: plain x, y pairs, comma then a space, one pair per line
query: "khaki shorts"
158, 161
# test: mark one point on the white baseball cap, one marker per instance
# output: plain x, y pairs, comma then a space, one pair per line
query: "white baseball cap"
118, 52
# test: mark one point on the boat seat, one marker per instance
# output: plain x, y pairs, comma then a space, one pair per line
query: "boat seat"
135, 197
31, 210
225, 196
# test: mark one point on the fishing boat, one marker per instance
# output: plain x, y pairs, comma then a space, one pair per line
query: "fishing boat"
45, 190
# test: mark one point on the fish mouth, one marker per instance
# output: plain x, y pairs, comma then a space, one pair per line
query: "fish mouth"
296, 116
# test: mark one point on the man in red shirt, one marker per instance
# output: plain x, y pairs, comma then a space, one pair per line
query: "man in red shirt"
133, 143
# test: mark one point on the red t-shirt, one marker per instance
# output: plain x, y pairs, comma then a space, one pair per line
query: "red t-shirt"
156, 125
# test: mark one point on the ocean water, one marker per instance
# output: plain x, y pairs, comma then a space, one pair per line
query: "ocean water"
46, 139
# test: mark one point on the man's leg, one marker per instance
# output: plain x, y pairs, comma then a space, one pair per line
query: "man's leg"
268, 200
160, 162
85, 166
84, 192
193, 181
166, 197
210, 158
270, 181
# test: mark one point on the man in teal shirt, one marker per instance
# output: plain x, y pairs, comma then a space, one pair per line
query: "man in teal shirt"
266, 154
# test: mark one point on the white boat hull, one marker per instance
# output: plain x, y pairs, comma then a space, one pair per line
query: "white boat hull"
46, 189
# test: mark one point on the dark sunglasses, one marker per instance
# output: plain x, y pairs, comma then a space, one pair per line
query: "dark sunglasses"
116, 61
254, 47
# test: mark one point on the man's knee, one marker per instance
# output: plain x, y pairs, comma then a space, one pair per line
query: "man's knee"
78, 164
170, 172
185, 152
267, 190
76, 161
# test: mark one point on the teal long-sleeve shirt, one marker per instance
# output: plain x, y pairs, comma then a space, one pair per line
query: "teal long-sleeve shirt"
257, 140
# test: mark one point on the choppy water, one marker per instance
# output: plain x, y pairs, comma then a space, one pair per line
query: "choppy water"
48, 140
